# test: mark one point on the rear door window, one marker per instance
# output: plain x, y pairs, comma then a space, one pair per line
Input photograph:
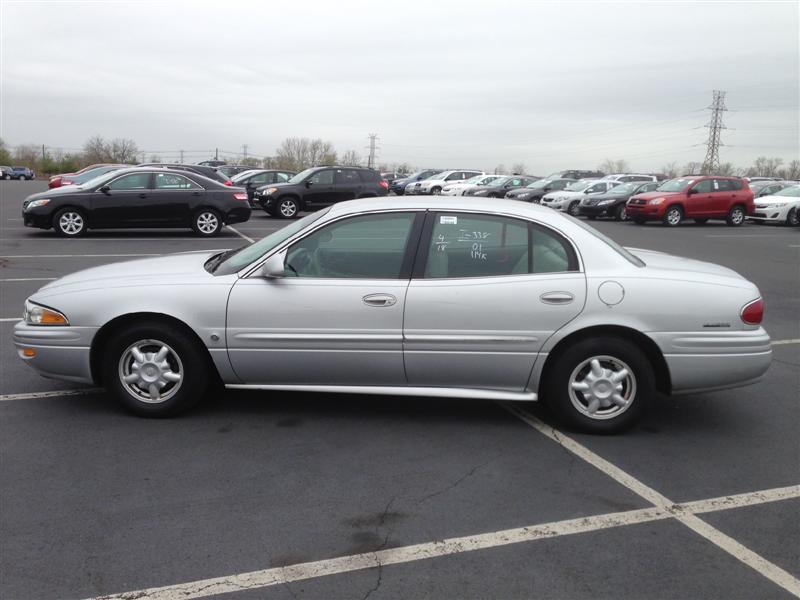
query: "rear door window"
171, 181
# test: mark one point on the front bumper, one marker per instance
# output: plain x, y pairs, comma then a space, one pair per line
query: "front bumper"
708, 360
35, 219
770, 215
644, 212
595, 210
60, 352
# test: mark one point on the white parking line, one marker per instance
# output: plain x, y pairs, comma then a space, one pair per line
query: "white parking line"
10, 320
750, 235
240, 234
755, 561
28, 279
784, 342
53, 394
282, 575
72, 255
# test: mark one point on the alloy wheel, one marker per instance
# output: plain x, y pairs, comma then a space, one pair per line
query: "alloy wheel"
602, 387
207, 223
673, 216
793, 218
151, 371
737, 216
71, 223
288, 208
573, 208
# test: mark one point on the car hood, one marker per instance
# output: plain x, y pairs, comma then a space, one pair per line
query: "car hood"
670, 262
777, 199
564, 194
279, 185
59, 191
654, 195
170, 269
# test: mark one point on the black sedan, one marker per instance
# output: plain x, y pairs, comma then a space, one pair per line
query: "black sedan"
255, 178
138, 197
537, 189
612, 203
499, 187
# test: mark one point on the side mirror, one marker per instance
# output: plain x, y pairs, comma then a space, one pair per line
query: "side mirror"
309, 183
273, 268
106, 190
691, 191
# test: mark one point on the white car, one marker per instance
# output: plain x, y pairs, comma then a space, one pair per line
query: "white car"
461, 188
435, 183
569, 199
628, 177
781, 207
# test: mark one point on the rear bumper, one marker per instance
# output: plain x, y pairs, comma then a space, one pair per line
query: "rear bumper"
705, 361
240, 214
60, 352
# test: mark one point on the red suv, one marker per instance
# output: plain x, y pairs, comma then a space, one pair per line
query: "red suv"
694, 197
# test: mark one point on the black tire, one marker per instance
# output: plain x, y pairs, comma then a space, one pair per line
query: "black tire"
574, 208
6, 176
792, 219
736, 216
207, 222
192, 364
672, 216
574, 363
69, 222
436, 190
701, 221
621, 213
287, 208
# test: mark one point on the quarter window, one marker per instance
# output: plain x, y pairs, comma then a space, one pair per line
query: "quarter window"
134, 181
170, 181
465, 245
348, 177
366, 247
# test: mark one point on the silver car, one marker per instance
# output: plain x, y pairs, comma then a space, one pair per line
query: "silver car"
445, 296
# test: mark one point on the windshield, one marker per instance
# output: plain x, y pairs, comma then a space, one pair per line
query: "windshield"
625, 188
675, 185
96, 181
541, 183
440, 175
239, 259
578, 186
302, 175
243, 175
793, 191
477, 179
499, 181
631, 258
92, 173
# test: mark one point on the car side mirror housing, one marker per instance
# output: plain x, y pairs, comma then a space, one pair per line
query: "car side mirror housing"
691, 191
106, 190
274, 268
309, 183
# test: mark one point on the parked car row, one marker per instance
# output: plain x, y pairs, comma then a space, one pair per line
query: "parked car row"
16, 173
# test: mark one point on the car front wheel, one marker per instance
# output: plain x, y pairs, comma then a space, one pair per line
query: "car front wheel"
155, 370
793, 219
621, 214
735, 216
207, 222
600, 385
69, 222
673, 216
288, 208
436, 190
574, 208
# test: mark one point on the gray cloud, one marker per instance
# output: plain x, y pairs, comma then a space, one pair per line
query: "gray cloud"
450, 83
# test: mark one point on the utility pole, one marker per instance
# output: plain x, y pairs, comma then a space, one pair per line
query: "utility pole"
244, 153
43, 152
216, 153
181, 151
715, 127
373, 137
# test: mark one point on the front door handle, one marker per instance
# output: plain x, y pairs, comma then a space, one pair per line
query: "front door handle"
142, 195
557, 298
379, 300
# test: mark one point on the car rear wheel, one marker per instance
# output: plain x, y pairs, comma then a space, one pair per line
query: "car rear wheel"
600, 385
574, 208
793, 219
288, 208
673, 216
207, 222
436, 190
736, 216
155, 370
701, 221
621, 214
69, 222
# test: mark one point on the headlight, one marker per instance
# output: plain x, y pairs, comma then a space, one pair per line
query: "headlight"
269, 191
35, 314
656, 201
36, 203
778, 205
604, 202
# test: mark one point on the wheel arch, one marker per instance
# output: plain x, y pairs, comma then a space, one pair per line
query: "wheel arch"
645, 343
77, 207
294, 196
105, 333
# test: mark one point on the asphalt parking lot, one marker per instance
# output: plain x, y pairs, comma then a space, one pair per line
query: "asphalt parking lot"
284, 495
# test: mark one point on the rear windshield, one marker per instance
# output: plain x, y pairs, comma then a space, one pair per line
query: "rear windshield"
634, 260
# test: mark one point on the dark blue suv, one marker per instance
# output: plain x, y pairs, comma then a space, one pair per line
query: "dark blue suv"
18, 173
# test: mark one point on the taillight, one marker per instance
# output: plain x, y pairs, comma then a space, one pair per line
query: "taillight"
227, 182
753, 312
240, 196
384, 184
66, 182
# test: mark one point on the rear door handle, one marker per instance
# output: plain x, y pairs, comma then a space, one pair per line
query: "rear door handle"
142, 195
379, 300
557, 298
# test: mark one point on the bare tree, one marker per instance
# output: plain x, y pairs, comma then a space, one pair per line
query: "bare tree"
765, 167
792, 170
519, 168
670, 170
95, 150
122, 150
5, 155
300, 153
352, 159
692, 167
726, 169
27, 155
500, 169
614, 166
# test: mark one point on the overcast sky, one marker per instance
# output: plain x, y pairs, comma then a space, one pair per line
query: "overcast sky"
444, 84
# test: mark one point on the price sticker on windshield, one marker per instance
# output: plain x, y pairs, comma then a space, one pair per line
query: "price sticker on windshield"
448, 220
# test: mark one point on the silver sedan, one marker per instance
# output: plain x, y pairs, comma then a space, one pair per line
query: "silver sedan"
416, 296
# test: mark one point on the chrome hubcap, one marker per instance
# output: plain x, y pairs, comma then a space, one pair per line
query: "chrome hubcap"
573, 209
674, 216
602, 387
737, 216
288, 208
151, 371
207, 222
623, 214
71, 223
793, 217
